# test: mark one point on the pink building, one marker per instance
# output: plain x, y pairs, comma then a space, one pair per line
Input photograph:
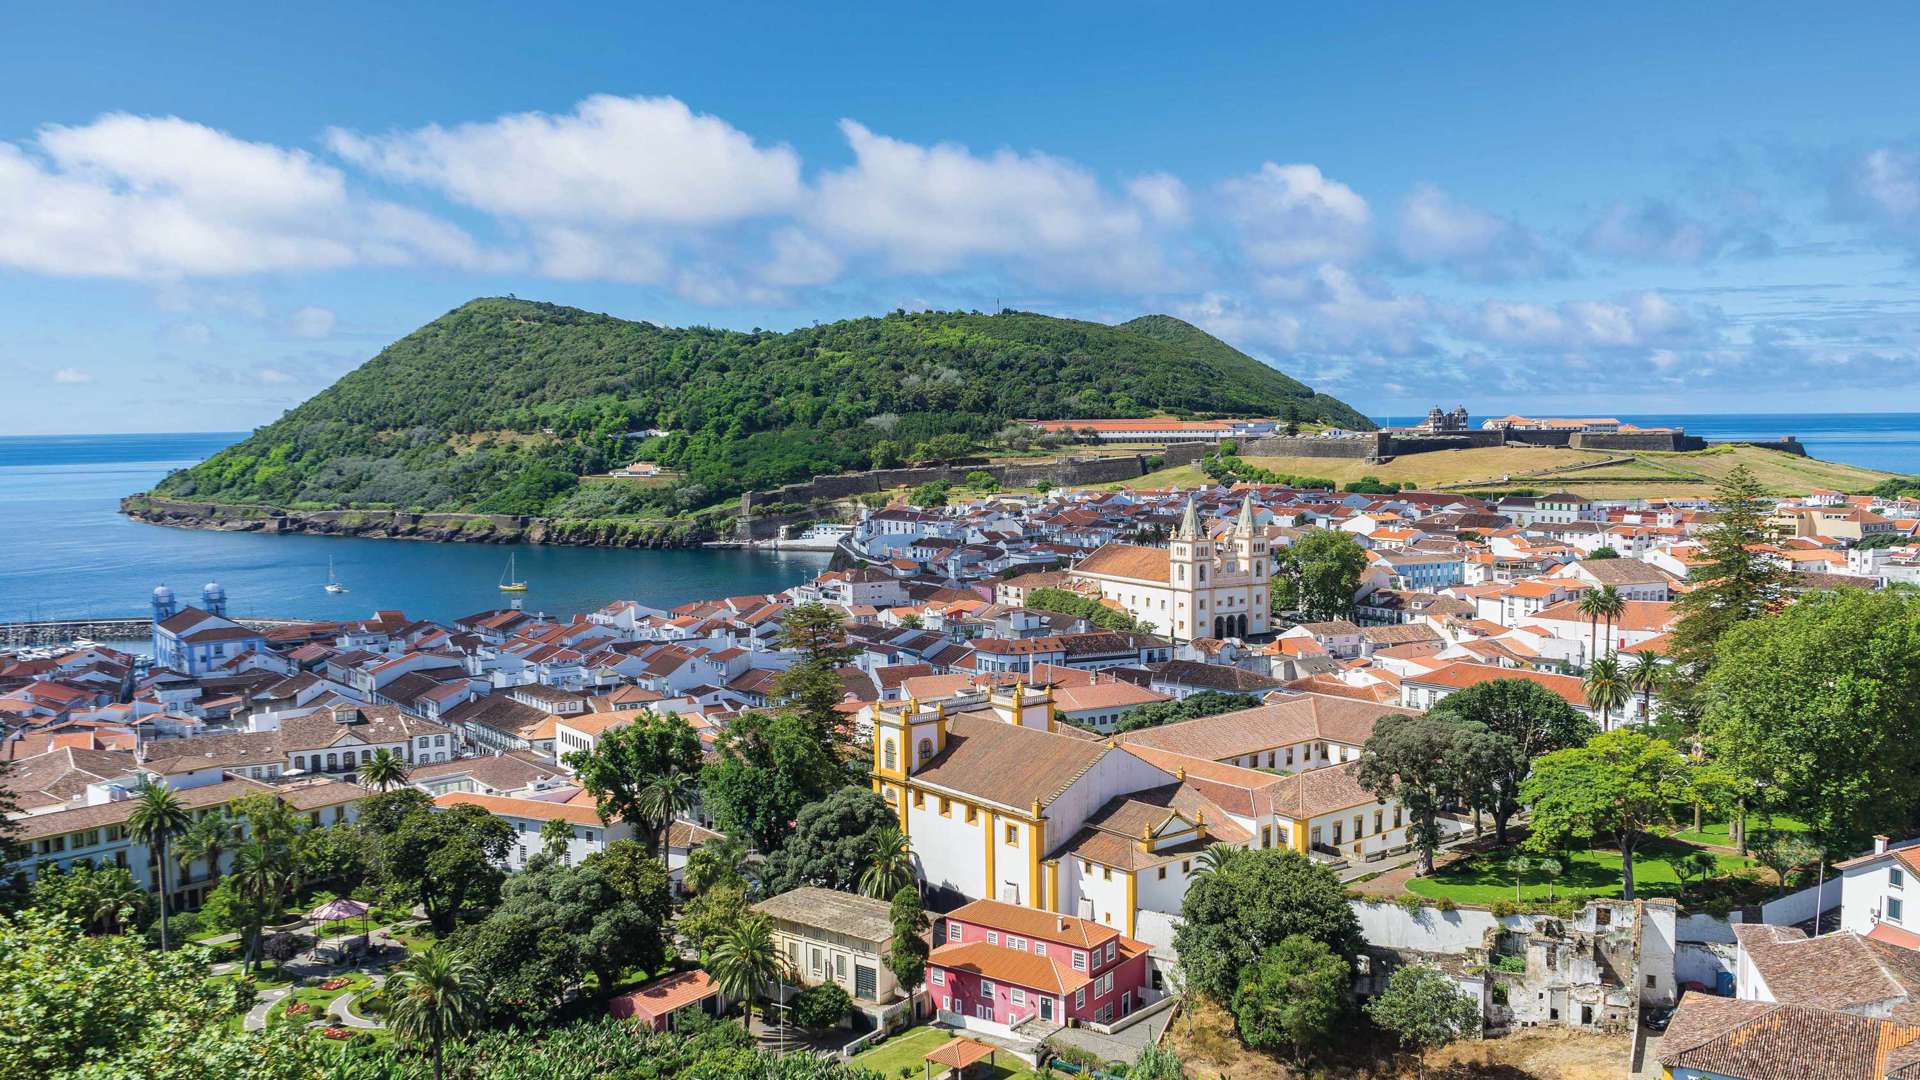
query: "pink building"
998, 966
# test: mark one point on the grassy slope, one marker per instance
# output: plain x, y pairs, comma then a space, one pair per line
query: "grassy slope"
454, 412
1647, 475
1484, 878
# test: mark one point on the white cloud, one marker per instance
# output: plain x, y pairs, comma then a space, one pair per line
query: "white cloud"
1655, 231
613, 160
1437, 230
1641, 319
1163, 196
312, 323
71, 375
931, 209
160, 198
1293, 215
1882, 190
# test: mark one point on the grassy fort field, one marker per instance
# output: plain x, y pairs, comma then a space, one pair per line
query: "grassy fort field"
1593, 473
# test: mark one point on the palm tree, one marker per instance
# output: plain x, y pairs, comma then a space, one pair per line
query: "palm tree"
555, 835
432, 997
892, 866
662, 800
743, 959
158, 816
1606, 688
1519, 864
210, 837
1589, 605
112, 900
1216, 857
1643, 675
384, 771
1610, 604
263, 873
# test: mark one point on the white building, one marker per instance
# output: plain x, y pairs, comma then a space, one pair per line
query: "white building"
1196, 586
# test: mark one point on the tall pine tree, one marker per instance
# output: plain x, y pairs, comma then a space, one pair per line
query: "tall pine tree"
1736, 582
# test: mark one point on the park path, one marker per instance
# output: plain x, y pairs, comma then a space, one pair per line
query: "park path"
257, 1016
337, 1009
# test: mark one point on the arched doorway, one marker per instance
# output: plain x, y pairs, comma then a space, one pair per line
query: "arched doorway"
1219, 627
1240, 625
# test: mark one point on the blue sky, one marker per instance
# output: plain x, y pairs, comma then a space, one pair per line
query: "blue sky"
205, 219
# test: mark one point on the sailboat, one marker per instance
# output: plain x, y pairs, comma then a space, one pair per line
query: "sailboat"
510, 583
333, 584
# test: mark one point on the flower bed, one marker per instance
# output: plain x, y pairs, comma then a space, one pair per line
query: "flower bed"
336, 983
336, 1032
299, 1008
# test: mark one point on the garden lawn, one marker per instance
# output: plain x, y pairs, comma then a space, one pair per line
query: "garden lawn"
317, 998
1721, 832
1483, 878
910, 1048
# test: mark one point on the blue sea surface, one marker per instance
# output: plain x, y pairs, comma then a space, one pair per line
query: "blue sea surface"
1889, 441
66, 551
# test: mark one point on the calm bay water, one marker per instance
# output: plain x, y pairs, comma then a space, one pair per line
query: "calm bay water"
66, 552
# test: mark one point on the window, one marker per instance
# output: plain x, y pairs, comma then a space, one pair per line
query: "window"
816, 962
1893, 908
986, 988
1163, 873
1109, 958
1039, 948
1079, 962
993, 937
1186, 866
1080, 998
919, 800
1013, 835
1105, 984
953, 931
1106, 873
887, 754
1019, 996
839, 965
1017, 943
1266, 836
946, 808
1896, 878
970, 815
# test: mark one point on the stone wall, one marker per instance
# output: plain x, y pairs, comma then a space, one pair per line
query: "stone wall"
1353, 448
1396, 444
1786, 444
1635, 440
1062, 473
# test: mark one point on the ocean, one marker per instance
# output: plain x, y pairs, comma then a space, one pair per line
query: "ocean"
1889, 441
66, 552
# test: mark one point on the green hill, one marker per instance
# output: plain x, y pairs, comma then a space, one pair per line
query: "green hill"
502, 405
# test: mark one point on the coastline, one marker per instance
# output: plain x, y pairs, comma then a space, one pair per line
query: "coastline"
466, 528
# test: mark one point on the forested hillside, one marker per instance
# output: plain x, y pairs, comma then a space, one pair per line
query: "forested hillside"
502, 405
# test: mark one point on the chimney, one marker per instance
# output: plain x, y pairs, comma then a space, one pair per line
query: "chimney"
1880, 845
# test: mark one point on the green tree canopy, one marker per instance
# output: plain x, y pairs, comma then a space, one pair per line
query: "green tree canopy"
1417, 760
1523, 720
1814, 711
907, 952
1318, 574
1193, 706
1734, 581
834, 842
445, 859
635, 768
1616, 789
771, 767
1253, 902
1424, 1009
1292, 996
